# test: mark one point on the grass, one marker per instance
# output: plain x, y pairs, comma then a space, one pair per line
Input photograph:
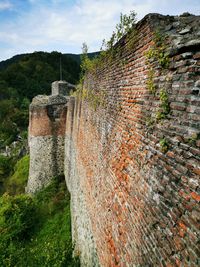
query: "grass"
48, 242
16, 183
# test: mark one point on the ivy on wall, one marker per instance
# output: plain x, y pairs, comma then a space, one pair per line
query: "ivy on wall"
157, 54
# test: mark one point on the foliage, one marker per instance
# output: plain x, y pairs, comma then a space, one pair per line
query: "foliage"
158, 51
164, 106
5, 166
150, 82
150, 122
17, 217
55, 194
17, 182
164, 145
87, 64
33, 73
192, 138
94, 98
46, 239
24, 77
8, 128
161, 54
125, 28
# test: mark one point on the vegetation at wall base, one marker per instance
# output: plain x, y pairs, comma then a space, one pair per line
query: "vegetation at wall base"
35, 231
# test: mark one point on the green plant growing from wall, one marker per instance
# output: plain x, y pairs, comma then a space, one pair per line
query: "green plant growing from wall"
97, 99
132, 38
150, 122
150, 82
193, 138
164, 106
124, 27
109, 49
164, 145
87, 64
158, 51
94, 98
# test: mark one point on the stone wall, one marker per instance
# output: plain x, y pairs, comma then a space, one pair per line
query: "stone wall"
62, 88
46, 140
74, 172
132, 163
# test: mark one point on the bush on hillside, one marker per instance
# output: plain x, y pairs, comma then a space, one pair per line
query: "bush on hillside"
17, 182
37, 231
5, 166
17, 217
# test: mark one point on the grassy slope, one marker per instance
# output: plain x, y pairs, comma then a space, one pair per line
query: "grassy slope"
16, 183
49, 243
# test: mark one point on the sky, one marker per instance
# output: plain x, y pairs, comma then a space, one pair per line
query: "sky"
63, 25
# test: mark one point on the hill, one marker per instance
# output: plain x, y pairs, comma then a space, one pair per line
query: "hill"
24, 76
32, 74
77, 57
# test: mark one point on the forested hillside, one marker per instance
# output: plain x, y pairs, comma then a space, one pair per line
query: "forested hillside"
23, 77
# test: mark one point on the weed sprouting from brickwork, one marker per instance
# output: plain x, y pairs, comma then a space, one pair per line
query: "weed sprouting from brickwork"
164, 106
158, 51
95, 99
110, 51
157, 55
150, 81
164, 145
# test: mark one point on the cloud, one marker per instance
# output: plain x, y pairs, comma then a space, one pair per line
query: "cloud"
87, 20
5, 5
54, 25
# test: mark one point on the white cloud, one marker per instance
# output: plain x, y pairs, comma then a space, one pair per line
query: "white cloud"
63, 27
4, 5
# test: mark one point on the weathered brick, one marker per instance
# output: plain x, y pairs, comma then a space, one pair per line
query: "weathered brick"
195, 196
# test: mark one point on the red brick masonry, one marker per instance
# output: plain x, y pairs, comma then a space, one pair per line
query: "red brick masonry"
143, 202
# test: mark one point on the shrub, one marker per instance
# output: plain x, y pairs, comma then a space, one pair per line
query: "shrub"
17, 217
164, 145
5, 167
17, 182
37, 231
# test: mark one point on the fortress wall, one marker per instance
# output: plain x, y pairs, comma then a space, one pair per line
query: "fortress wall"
46, 140
133, 176
74, 173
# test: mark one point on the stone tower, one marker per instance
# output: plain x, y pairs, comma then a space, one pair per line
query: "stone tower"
46, 136
61, 88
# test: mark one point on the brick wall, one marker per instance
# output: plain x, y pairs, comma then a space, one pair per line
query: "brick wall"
132, 164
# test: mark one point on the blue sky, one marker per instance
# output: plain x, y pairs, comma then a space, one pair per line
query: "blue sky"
63, 25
